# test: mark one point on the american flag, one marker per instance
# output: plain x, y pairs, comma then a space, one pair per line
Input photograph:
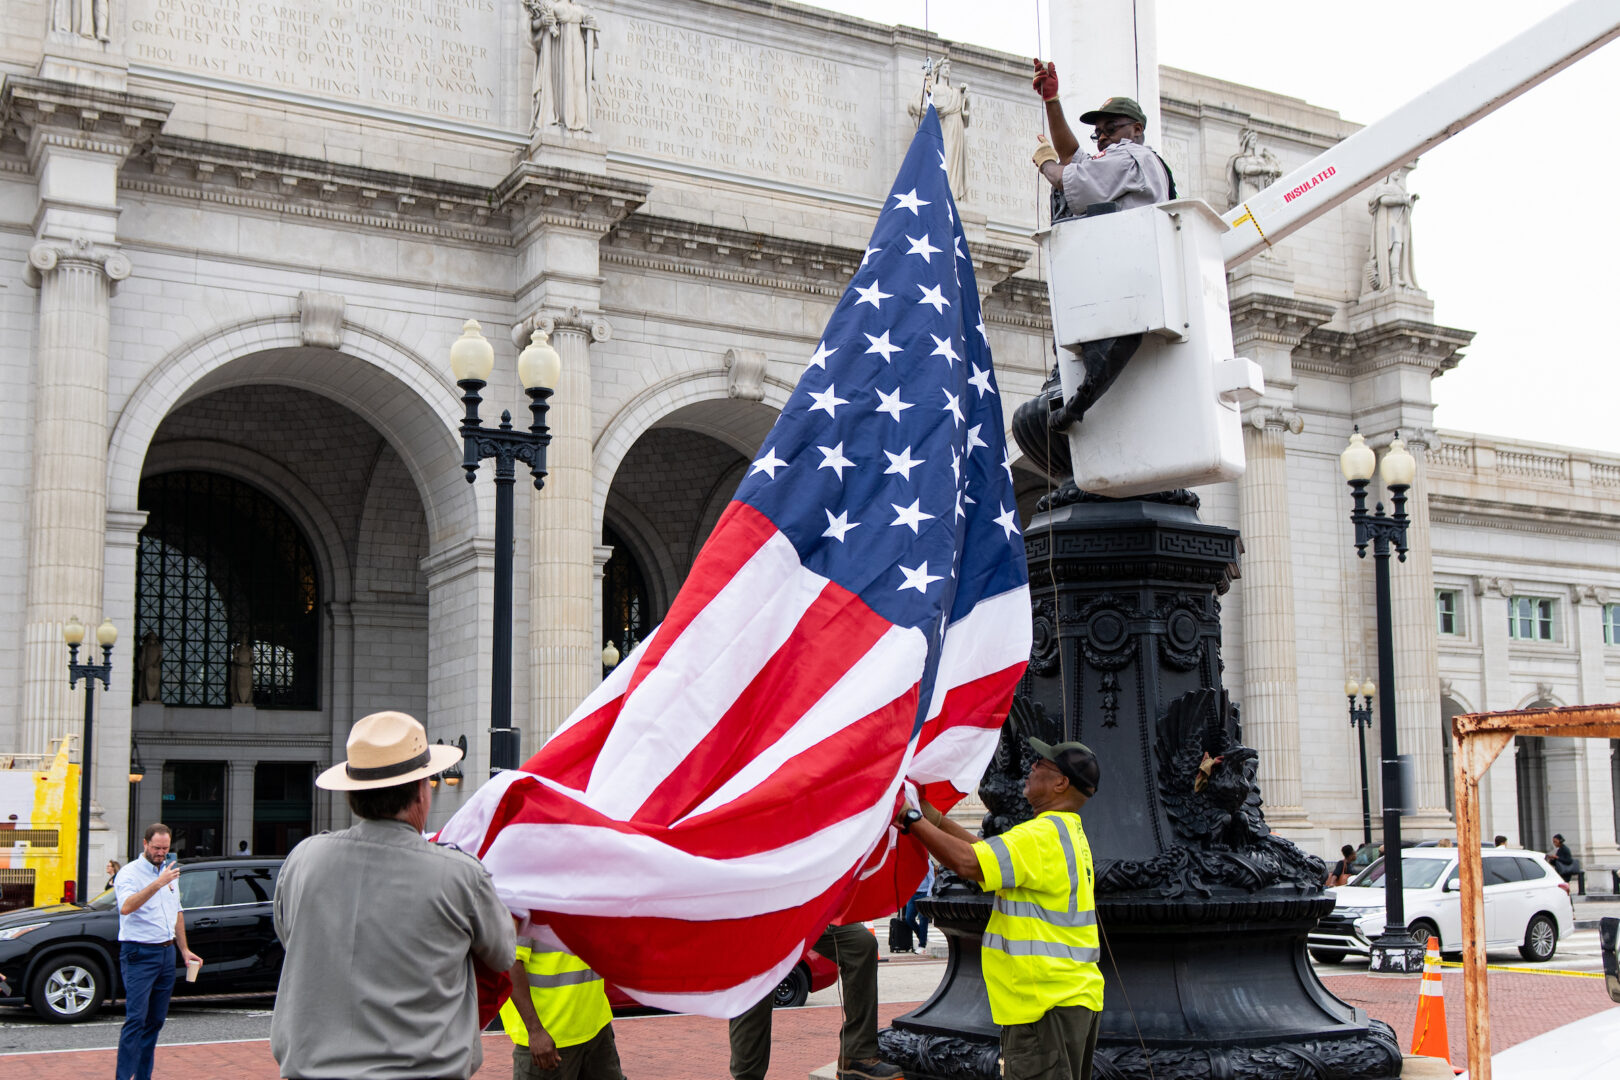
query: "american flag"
858, 618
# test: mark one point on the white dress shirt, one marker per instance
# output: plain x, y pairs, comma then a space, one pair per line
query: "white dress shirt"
153, 922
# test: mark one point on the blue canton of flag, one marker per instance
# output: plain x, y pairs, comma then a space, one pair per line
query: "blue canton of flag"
888, 468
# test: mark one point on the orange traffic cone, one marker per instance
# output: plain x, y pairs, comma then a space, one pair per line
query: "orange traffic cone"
1429, 1031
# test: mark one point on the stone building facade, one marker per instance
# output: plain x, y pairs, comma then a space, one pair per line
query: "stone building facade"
237, 240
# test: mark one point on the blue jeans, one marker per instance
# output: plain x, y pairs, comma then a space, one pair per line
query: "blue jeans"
148, 972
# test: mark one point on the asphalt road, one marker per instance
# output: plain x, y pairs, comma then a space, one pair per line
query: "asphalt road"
210, 1020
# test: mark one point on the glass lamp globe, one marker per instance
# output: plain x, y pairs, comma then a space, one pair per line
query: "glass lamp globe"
73, 631
1369, 690
1357, 461
106, 633
539, 365
472, 357
1399, 466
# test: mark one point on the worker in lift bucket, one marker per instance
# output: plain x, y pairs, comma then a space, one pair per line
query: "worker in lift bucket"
1122, 175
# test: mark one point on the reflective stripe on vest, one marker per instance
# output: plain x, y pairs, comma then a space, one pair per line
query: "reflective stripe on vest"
538, 981
1025, 909
570, 1000
1080, 954
1003, 860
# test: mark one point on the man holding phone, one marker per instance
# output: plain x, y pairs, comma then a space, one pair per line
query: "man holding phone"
150, 924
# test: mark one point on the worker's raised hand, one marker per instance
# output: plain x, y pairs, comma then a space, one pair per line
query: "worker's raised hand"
1043, 151
168, 874
1046, 80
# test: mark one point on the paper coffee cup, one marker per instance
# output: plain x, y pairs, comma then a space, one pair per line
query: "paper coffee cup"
192, 967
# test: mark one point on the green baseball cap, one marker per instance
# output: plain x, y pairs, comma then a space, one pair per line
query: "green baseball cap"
1115, 106
1074, 760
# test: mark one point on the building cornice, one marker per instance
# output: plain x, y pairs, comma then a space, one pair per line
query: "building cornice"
194, 169
1399, 343
1472, 512
1277, 320
36, 114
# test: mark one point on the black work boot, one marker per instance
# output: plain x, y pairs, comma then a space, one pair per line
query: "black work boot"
871, 1069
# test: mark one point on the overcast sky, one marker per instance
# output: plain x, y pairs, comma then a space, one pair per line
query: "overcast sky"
1513, 237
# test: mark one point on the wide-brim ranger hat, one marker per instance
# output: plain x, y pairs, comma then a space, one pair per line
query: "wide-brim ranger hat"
1115, 106
1074, 760
386, 749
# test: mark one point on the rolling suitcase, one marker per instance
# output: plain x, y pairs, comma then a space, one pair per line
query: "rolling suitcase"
900, 936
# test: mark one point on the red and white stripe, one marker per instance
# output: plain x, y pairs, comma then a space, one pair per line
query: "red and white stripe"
716, 802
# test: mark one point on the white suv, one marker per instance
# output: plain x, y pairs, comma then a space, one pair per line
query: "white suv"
1525, 905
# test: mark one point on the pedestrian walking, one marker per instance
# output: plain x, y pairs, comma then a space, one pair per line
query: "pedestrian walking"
381, 926
150, 924
913, 916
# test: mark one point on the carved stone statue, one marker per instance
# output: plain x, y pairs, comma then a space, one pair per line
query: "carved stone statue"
241, 685
1252, 169
1389, 260
82, 18
149, 663
565, 38
955, 114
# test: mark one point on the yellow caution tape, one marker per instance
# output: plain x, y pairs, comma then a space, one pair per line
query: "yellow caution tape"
1529, 970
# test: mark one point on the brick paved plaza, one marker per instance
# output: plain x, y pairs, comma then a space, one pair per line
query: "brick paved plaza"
694, 1048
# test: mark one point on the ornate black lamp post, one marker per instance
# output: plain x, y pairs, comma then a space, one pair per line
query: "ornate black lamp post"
1394, 950
137, 773
539, 367
1361, 720
73, 634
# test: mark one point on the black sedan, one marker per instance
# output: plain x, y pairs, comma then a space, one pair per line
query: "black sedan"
62, 960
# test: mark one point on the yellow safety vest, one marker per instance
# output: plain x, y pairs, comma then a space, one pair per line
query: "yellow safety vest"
569, 998
1041, 946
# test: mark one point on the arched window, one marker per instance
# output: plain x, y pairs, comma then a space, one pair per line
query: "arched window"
219, 564
626, 611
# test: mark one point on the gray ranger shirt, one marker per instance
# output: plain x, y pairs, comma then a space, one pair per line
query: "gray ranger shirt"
1127, 173
381, 928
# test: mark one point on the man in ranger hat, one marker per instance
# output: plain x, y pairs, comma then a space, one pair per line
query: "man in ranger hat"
381, 926
1123, 172
1040, 949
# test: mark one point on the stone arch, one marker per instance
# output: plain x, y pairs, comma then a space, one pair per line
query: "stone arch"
650, 550
389, 496
411, 403
294, 497
655, 406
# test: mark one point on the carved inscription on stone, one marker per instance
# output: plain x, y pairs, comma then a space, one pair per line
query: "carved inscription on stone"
1001, 181
442, 58
729, 105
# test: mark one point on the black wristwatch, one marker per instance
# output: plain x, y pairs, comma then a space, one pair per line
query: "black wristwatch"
909, 818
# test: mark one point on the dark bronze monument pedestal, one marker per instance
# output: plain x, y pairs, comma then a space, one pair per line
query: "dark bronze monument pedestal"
1204, 913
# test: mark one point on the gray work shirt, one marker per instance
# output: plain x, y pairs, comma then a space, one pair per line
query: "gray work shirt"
381, 928
1127, 173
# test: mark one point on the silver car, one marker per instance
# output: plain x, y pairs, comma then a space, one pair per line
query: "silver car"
1526, 905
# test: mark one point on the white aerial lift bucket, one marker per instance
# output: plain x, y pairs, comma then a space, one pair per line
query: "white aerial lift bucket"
1173, 417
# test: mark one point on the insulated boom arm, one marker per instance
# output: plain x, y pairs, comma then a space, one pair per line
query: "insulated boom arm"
1308, 192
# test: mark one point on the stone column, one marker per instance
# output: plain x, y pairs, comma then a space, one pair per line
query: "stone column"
78, 131
1594, 833
604, 552
115, 715
68, 500
1417, 652
238, 805
563, 588
1499, 791
1270, 667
